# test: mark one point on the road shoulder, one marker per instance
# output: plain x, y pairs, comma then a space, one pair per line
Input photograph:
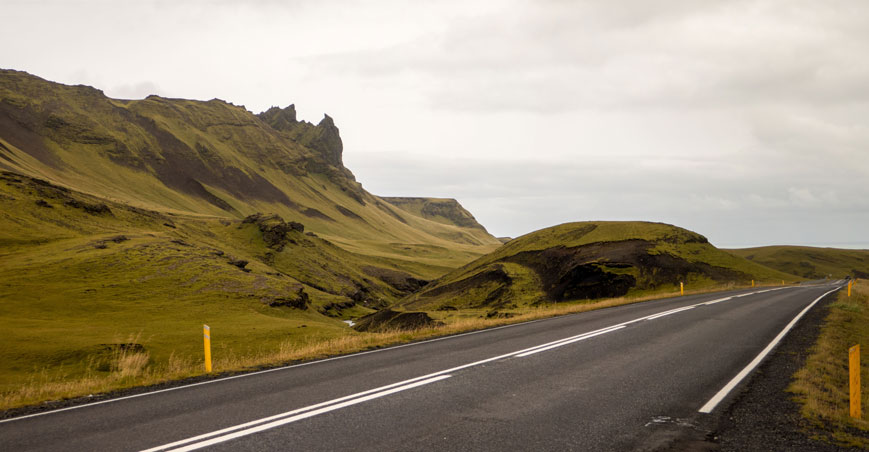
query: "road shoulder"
763, 415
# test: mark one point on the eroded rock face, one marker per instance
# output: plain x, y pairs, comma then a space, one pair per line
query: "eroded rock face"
328, 142
324, 138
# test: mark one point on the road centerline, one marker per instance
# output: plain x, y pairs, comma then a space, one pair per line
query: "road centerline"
305, 415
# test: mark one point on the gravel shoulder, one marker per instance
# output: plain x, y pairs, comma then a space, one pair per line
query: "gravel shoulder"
763, 417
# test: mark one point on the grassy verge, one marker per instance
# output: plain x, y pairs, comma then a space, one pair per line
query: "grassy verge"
127, 368
821, 386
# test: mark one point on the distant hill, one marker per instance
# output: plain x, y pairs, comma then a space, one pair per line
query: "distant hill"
588, 260
809, 262
444, 211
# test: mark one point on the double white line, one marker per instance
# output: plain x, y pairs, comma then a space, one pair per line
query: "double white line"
249, 428
259, 425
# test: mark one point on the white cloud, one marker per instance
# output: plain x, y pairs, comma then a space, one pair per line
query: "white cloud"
743, 120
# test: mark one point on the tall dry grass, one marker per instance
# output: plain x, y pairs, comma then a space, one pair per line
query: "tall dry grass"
821, 387
129, 368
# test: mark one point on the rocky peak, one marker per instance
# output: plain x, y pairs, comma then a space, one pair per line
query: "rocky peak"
283, 119
328, 141
324, 138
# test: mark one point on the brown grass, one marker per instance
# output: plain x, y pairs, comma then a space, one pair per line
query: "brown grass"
131, 369
822, 385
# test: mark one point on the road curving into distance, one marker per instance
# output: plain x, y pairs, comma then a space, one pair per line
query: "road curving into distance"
622, 378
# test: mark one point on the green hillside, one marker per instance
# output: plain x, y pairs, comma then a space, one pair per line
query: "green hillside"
809, 262
80, 274
208, 158
127, 224
589, 260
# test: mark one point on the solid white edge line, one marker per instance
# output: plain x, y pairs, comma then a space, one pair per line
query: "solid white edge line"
271, 425
718, 397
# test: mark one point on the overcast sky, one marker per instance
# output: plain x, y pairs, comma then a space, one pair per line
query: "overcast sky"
746, 121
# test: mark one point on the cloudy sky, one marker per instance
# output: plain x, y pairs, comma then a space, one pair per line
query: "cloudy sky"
747, 121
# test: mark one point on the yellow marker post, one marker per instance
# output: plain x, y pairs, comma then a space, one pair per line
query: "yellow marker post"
854, 369
206, 333
752, 283
681, 288
782, 282
849, 289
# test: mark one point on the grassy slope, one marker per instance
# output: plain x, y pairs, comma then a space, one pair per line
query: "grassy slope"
526, 286
71, 288
111, 148
821, 386
70, 293
809, 262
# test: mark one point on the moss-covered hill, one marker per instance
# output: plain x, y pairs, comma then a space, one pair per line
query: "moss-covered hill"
210, 158
148, 218
589, 260
809, 262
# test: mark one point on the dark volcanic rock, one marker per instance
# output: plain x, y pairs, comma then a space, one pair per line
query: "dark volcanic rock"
93, 209
328, 141
389, 320
274, 229
240, 263
299, 300
324, 138
401, 281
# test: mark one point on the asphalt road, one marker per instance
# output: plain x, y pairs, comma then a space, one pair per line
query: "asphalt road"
627, 378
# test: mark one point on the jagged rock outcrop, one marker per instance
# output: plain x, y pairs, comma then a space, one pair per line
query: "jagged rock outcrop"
325, 138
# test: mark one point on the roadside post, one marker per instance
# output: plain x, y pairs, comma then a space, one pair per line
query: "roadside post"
854, 370
849, 289
752, 283
206, 335
681, 288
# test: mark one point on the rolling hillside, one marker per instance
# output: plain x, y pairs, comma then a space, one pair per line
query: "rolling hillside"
208, 158
588, 260
809, 262
127, 224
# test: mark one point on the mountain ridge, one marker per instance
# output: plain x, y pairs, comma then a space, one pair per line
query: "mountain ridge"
202, 157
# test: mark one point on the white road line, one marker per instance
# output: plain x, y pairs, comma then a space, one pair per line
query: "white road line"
298, 417
673, 311
717, 398
708, 303
281, 415
580, 338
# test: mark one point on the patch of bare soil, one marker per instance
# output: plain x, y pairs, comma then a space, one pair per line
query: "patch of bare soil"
389, 320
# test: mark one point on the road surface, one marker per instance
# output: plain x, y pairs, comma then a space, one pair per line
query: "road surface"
623, 378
